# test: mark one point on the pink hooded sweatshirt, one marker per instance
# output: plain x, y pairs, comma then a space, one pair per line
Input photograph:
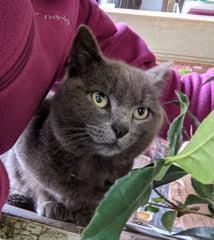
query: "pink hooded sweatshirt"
35, 39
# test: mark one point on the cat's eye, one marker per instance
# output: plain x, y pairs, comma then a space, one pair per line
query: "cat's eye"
100, 99
141, 113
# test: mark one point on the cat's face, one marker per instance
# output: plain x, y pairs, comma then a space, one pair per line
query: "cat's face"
106, 107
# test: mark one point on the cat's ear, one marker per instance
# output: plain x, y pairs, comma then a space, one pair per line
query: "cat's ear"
159, 74
84, 53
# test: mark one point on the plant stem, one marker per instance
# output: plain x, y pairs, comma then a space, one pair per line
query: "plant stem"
166, 200
160, 205
175, 207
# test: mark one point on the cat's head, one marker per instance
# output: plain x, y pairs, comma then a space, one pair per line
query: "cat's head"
105, 106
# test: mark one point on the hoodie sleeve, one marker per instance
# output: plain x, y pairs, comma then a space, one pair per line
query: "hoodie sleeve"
118, 41
15, 25
201, 98
4, 186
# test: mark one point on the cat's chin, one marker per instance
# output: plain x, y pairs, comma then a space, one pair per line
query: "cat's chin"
108, 150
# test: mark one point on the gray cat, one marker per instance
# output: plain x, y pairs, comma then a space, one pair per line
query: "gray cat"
86, 135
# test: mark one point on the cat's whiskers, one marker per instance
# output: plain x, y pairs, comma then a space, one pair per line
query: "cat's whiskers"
99, 136
74, 136
95, 130
93, 127
79, 134
81, 139
95, 133
70, 128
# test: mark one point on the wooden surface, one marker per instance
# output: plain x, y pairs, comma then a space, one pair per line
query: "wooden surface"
20, 224
177, 37
15, 228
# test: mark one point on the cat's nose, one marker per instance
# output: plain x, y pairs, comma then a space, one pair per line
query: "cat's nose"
119, 129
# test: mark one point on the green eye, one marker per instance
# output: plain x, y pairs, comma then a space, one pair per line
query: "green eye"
141, 113
100, 99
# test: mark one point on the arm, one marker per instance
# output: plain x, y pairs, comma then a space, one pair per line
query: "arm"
4, 186
15, 25
201, 98
117, 41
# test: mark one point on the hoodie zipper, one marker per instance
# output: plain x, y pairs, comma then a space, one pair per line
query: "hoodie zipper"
16, 69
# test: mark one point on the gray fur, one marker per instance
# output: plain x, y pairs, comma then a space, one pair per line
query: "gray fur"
69, 153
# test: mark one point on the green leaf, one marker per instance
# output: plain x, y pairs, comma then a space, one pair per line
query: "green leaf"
168, 219
183, 71
195, 208
162, 173
120, 201
211, 210
174, 172
180, 204
200, 233
205, 194
194, 199
197, 157
194, 118
203, 190
208, 80
174, 134
157, 200
152, 209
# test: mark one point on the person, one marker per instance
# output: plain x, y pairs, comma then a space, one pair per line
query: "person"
35, 39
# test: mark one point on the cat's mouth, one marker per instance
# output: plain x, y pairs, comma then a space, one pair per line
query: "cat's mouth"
108, 149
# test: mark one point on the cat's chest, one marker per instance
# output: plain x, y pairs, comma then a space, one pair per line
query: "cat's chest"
98, 171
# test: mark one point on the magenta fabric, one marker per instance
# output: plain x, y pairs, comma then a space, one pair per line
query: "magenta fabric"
35, 39
201, 12
201, 97
4, 186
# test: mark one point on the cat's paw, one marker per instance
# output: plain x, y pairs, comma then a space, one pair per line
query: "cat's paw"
52, 209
